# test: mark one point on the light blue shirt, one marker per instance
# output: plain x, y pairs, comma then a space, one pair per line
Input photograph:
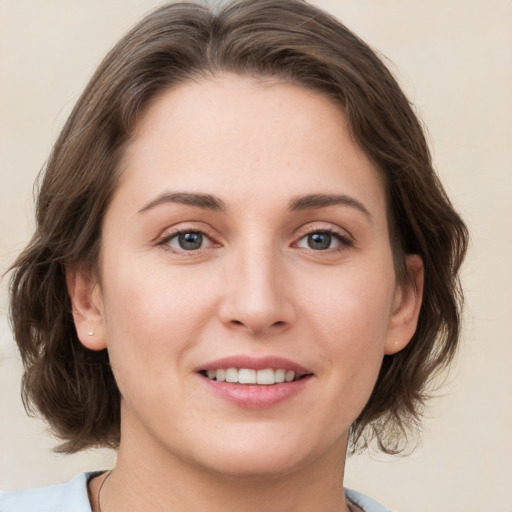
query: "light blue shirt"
72, 497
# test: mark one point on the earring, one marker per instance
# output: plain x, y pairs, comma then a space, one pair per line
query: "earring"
90, 333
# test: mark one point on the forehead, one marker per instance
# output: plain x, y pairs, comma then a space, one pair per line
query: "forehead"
230, 132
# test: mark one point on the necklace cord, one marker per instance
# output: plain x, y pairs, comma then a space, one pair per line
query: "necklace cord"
98, 495
99, 491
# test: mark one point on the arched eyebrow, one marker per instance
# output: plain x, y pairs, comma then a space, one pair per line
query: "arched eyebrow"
210, 202
206, 201
313, 201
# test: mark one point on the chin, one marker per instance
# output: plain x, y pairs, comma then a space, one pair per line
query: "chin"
261, 456
253, 466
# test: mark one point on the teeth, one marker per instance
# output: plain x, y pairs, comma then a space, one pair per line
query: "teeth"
231, 375
246, 376
290, 375
265, 377
280, 376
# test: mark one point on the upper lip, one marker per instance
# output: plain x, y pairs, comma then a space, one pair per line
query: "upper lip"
254, 363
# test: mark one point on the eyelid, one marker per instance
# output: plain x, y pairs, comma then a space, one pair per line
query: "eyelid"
186, 227
343, 236
324, 227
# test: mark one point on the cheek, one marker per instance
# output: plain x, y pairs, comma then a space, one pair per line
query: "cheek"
350, 320
352, 306
153, 315
139, 290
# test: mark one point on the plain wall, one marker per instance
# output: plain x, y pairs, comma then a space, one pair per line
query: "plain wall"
454, 59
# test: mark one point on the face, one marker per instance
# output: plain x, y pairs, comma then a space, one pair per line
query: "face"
247, 293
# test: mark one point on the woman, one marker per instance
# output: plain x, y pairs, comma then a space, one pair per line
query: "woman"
244, 266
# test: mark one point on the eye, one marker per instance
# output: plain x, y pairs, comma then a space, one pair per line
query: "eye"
322, 241
187, 241
319, 241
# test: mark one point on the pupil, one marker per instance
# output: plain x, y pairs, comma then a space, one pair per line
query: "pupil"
319, 241
190, 241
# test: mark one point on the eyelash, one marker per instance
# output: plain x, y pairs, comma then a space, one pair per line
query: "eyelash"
343, 240
168, 237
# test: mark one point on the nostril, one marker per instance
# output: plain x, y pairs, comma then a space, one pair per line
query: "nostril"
279, 323
255, 324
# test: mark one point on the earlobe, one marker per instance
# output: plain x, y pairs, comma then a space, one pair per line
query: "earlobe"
406, 308
85, 295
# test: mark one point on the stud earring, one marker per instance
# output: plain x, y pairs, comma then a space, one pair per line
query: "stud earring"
90, 333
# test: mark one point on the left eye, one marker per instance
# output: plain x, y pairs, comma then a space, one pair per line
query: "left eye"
187, 241
320, 241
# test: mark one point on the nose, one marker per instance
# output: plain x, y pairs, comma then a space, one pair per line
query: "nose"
257, 297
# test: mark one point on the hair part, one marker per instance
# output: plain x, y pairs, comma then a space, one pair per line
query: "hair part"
289, 40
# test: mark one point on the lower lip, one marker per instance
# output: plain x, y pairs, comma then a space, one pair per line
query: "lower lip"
256, 396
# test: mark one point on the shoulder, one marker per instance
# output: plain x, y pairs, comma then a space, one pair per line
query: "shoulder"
364, 502
72, 497
69, 497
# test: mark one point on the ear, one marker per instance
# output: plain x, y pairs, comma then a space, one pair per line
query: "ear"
406, 307
87, 304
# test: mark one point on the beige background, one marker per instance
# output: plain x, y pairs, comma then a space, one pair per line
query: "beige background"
454, 58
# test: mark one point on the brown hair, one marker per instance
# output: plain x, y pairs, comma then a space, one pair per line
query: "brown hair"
73, 387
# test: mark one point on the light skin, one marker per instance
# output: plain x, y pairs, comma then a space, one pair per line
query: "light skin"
287, 255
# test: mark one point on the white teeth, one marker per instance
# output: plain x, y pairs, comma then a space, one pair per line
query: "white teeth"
231, 375
265, 377
246, 376
280, 376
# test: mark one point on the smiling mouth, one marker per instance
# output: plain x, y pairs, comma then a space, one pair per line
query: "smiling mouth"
248, 376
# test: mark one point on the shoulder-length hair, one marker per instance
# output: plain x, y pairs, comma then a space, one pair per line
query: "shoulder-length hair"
288, 40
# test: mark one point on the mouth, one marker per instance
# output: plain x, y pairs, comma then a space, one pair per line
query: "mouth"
251, 376
254, 382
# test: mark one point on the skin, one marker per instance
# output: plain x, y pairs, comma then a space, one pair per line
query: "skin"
254, 287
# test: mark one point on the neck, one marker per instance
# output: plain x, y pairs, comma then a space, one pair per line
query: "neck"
147, 478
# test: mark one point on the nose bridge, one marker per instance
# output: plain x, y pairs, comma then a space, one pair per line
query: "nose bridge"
255, 295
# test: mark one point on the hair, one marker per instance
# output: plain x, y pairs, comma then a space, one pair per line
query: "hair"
288, 40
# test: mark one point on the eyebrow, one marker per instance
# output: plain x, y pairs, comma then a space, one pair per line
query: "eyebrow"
210, 202
206, 201
312, 201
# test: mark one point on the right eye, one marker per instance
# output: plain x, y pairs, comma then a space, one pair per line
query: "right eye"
319, 241
324, 240
184, 241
